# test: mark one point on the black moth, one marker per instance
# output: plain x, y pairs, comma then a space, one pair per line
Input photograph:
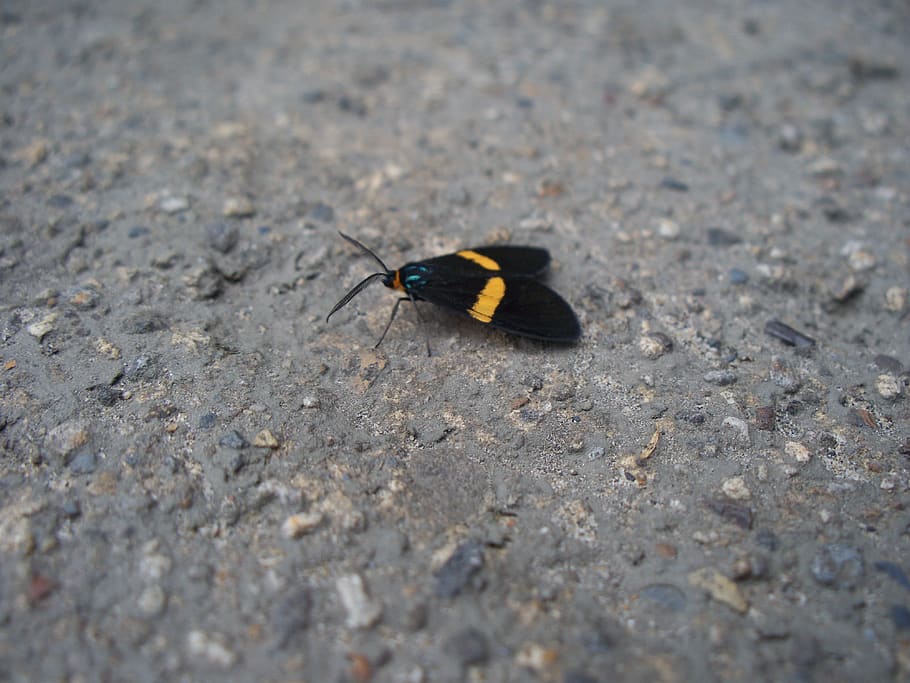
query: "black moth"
498, 286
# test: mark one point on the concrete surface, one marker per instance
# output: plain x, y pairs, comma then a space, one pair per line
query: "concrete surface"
202, 480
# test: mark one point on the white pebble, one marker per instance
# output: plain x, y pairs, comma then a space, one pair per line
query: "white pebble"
735, 488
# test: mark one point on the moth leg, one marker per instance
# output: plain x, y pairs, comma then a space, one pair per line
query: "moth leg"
391, 318
422, 323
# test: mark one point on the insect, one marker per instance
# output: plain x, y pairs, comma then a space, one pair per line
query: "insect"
498, 286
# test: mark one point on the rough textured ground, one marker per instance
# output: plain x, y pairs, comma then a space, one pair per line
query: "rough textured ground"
201, 479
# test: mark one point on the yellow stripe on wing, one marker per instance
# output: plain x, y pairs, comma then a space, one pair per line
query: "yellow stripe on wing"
479, 259
488, 300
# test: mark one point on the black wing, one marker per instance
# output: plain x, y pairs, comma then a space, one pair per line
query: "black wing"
517, 305
512, 260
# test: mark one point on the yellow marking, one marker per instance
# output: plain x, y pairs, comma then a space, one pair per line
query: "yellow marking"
396, 283
488, 299
479, 259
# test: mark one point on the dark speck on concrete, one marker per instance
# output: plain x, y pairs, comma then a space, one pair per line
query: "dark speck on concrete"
144, 322
787, 334
730, 510
767, 539
469, 647
320, 212
71, 508
737, 276
666, 596
838, 565
719, 237
221, 236
107, 396
290, 616
895, 572
84, 462
207, 420
456, 572
144, 367
60, 201
575, 676
900, 615
233, 439
674, 185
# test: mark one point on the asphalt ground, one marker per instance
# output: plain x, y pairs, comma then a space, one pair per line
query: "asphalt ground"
201, 479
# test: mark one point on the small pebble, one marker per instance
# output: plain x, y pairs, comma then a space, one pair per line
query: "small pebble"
654, 345
290, 616
144, 322
84, 463
888, 363
736, 489
596, 453
896, 299
741, 569
537, 658
151, 600
457, 571
469, 647
153, 564
767, 539
861, 260
737, 276
320, 212
740, 426
720, 588
174, 204
302, 523
888, 386
674, 185
825, 167
900, 615
721, 378
718, 237
66, 437
847, 289
211, 648
838, 565
895, 572
784, 376
238, 207
60, 201
221, 236
576, 676
666, 596
204, 282
797, 451
233, 439
146, 368
789, 138
43, 327
731, 511
363, 611
265, 439
71, 509
765, 418
668, 229
787, 334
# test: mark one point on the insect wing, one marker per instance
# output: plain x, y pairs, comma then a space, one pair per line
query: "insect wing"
531, 309
517, 305
524, 261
